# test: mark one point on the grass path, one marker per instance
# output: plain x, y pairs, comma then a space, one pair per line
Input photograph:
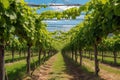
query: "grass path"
53, 69
41, 73
59, 67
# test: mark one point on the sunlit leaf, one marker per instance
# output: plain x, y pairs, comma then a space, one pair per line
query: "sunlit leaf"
5, 3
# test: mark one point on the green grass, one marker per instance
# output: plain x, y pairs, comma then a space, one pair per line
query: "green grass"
102, 66
89, 65
59, 64
17, 70
62, 71
8, 57
83, 67
84, 70
108, 60
58, 68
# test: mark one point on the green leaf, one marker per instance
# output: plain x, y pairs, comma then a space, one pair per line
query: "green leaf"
11, 14
104, 1
5, 3
117, 9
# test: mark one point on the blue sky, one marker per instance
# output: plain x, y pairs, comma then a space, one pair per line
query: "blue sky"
63, 25
57, 1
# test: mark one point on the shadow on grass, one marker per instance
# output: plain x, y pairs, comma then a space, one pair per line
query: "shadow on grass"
17, 74
110, 63
107, 62
16, 59
78, 73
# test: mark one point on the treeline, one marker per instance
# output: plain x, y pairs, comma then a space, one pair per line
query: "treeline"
101, 19
21, 28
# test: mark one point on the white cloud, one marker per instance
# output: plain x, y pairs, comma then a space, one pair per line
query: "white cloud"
66, 26
61, 28
60, 8
50, 21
